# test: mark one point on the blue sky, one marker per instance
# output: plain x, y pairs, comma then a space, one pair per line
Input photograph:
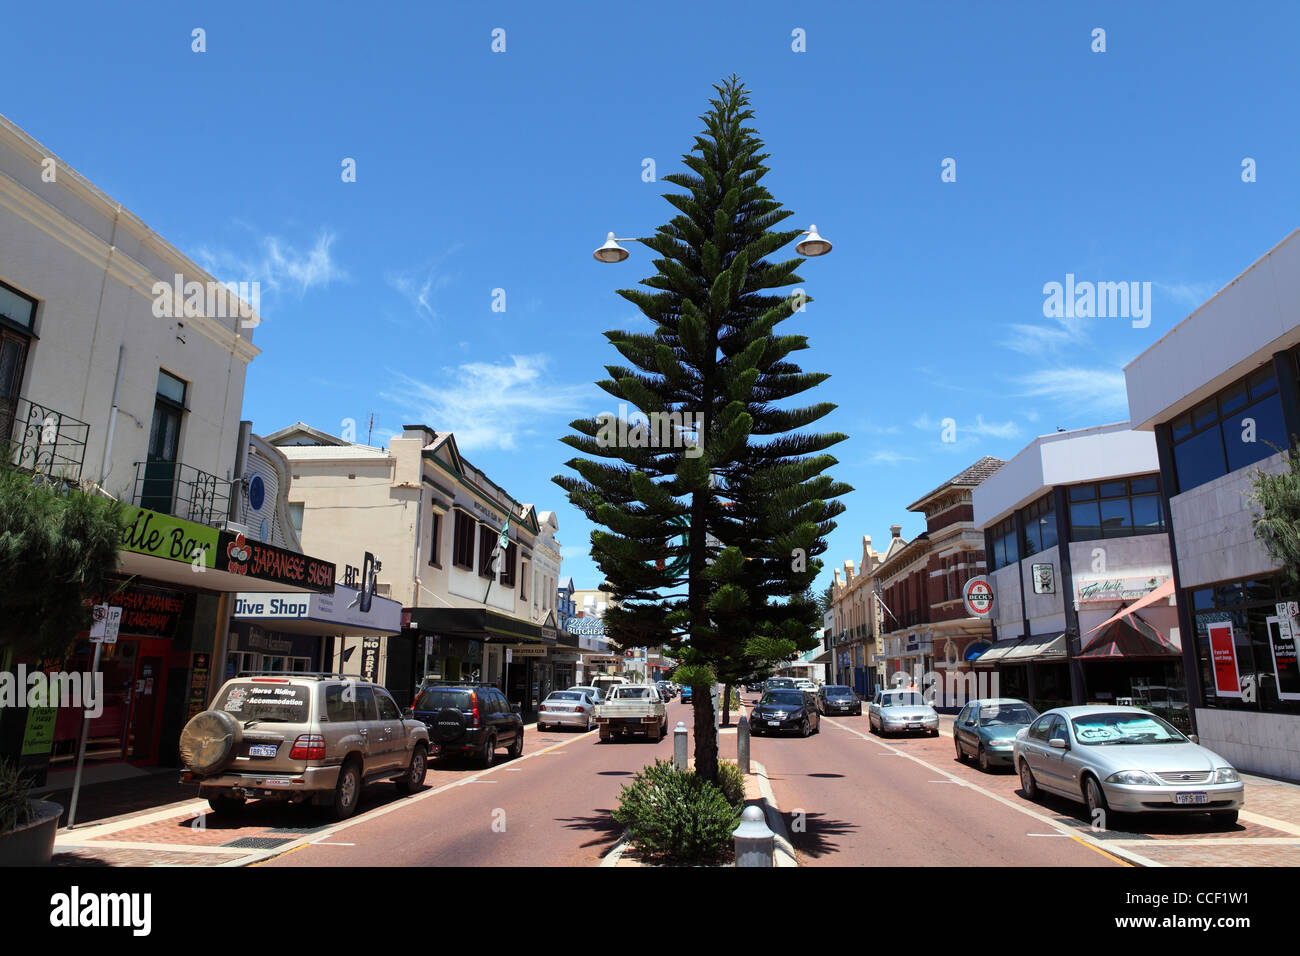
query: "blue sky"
479, 171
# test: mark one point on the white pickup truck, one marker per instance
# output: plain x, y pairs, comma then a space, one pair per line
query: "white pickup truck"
632, 709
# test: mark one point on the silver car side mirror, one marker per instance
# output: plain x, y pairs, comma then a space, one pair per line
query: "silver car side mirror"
1058, 743
1194, 738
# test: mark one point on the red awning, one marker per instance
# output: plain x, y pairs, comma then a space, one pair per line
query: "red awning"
1129, 637
1163, 592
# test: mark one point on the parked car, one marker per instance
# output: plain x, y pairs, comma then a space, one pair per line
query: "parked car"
296, 738
607, 682
1126, 760
633, 709
595, 693
785, 709
900, 711
838, 699
754, 687
566, 708
469, 719
803, 683
986, 729
779, 683
666, 689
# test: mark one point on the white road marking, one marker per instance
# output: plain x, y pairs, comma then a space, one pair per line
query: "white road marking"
323, 843
1065, 835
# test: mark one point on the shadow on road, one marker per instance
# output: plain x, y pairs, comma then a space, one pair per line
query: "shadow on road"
817, 830
606, 831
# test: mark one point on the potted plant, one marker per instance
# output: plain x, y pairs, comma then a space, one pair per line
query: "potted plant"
27, 826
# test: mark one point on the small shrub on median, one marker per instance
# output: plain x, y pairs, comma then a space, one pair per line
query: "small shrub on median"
676, 817
732, 782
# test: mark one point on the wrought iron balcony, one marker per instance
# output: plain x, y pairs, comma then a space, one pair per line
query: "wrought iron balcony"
182, 491
42, 440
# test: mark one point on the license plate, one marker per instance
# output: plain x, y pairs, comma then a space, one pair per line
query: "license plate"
277, 783
913, 726
774, 723
262, 750
1197, 796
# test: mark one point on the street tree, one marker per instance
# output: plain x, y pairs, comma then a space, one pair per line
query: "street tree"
712, 502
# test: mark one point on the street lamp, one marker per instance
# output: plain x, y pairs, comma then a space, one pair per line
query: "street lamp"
813, 245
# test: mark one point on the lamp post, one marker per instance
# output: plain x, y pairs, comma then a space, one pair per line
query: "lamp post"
812, 245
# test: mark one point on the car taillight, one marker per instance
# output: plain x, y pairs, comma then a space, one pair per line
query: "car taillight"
474, 700
308, 747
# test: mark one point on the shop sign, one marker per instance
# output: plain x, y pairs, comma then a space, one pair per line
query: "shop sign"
588, 626
198, 696
38, 736
237, 555
528, 650
1118, 589
1282, 641
147, 611
977, 596
276, 607
173, 539
1223, 651
602, 660
1044, 579
370, 659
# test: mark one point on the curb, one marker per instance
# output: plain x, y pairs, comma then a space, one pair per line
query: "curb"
616, 852
784, 851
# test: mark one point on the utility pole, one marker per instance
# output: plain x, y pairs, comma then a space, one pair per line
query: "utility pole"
370, 427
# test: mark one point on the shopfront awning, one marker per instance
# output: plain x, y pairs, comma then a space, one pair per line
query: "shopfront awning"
1129, 638
825, 657
997, 653
1164, 592
477, 623
1044, 647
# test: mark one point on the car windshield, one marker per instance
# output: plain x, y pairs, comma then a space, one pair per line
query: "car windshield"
911, 699
1001, 715
1131, 727
780, 682
440, 698
270, 702
565, 695
783, 698
836, 691
631, 693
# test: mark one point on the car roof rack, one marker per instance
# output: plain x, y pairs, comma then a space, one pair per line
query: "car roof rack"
310, 675
443, 682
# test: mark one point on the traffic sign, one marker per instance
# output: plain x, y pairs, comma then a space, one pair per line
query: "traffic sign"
978, 596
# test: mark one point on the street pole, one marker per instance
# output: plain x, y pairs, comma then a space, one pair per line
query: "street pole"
81, 746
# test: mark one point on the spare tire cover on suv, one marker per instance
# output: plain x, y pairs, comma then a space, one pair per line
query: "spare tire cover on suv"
210, 741
448, 724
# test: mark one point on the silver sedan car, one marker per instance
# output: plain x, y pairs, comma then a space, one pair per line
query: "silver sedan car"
1126, 760
900, 711
566, 708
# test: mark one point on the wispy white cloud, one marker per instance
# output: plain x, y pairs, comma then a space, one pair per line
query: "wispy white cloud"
279, 265
966, 428
421, 284
489, 405
1187, 293
1093, 390
890, 458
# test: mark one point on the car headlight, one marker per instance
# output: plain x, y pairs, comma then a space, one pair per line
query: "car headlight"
1226, 775
1131, 777
1004, 744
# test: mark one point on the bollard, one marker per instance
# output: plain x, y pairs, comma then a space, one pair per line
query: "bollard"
742, 744
714, 696
755, 843
679, 746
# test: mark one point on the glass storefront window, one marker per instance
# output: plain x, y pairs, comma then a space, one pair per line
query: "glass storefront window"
1116, 509
1247, 607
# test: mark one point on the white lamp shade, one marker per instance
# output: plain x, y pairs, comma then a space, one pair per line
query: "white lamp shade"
611, 251
812, 244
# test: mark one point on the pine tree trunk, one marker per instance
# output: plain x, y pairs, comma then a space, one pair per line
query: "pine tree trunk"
726, 705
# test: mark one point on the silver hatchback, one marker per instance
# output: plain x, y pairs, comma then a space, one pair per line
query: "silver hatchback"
1125, 760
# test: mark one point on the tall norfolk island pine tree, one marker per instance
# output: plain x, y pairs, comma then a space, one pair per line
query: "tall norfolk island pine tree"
748, 507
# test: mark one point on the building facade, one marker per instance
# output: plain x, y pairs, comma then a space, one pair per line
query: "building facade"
856, 659
1221, 393
434, 522
122, 368
929, 636
1076, 536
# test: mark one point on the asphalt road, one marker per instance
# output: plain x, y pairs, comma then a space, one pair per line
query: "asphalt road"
851, 799
549, 807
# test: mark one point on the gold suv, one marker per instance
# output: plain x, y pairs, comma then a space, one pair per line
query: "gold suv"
298, 737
